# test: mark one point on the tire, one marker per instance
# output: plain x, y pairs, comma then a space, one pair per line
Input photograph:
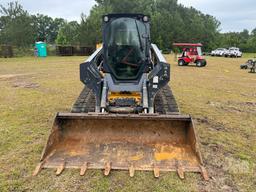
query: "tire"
85, 103
181, 62
165, 101
243, 66
200, 63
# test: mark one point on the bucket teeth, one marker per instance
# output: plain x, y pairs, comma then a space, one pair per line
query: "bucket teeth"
180, 170
84, 167
107, 168
131, 170
156, 171
204, 173
126, 142
60, 169
38, 168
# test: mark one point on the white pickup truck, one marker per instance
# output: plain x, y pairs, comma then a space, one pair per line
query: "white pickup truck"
219, 52
233, 52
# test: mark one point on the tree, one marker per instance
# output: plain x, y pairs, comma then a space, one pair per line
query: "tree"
68, 34
253, 32
244, 40
170, 21
16, 25
90, 31
46, 27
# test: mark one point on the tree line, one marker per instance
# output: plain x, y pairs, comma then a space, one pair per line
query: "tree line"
170, 22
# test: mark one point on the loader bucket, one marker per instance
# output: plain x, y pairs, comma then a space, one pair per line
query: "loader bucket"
124, 142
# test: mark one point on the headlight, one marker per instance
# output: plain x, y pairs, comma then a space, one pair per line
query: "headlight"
145, 18
105, 19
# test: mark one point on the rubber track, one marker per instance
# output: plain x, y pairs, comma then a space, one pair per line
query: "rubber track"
164, 102
85, 103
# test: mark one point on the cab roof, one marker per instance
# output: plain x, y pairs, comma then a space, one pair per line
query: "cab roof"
188, 44
132, 15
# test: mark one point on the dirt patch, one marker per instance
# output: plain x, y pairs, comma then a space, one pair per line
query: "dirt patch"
26, 85
218, 161
214, 104
235, 107
10, 76
249, 107
253, 104
237, 166
202, 120
217, 166
212, 125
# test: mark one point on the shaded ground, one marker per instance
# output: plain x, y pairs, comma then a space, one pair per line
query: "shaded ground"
221, 98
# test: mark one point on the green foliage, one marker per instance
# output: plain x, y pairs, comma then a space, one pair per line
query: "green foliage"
244, 40
19, 28
170, 22
46, 27
90, 31
67, 34
16, 26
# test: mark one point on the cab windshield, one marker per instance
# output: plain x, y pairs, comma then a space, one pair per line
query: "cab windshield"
125, 51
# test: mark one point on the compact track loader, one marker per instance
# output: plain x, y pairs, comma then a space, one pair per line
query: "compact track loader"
126, 117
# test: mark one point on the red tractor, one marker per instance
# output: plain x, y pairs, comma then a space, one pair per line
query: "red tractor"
191, 53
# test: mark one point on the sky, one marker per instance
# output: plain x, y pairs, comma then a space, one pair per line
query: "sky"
234, 15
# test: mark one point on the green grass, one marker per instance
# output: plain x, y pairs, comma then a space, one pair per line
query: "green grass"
249, 55
220, 97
